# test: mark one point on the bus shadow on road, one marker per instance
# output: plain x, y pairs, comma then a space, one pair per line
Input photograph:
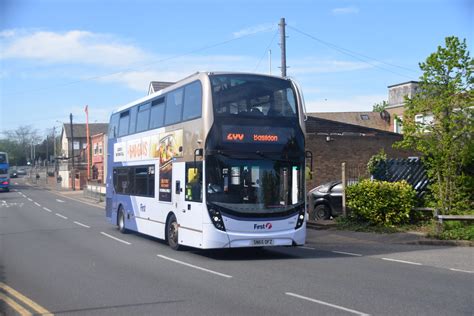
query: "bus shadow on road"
265, 253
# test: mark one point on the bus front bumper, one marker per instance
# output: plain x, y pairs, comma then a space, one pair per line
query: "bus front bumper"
219, 239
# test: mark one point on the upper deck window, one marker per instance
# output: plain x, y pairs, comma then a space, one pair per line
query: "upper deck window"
143, 117
251, 95
174, 106
123, 123
192, 101
3, 158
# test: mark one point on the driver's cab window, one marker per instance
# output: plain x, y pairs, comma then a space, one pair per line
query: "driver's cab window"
193, 182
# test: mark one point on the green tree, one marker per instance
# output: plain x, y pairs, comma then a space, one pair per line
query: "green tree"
18, 143
380, 107
438, 122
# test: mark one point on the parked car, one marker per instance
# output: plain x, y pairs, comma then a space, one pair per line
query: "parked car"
327, 200
13, 173
21, 172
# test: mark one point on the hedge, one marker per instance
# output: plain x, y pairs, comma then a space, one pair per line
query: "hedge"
381, 203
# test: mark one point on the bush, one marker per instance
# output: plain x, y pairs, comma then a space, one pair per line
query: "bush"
381, 203
457, 231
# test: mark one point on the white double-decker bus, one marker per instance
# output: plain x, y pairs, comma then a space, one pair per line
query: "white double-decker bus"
216, 160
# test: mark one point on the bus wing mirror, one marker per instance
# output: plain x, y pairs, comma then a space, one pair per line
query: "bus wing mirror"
309, 155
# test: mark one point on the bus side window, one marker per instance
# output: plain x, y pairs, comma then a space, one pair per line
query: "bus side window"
174, 107
133, 120
193, 182
192, 101
123, 123
113, 126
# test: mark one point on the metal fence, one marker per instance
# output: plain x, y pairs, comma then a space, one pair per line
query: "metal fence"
411, 170
95, 192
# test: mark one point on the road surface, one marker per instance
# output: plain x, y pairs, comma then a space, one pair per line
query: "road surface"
60, 256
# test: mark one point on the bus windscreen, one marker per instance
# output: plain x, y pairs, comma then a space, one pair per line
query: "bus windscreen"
252, 96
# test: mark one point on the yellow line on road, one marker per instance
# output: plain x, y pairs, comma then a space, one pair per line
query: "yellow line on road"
38, 308
16, 307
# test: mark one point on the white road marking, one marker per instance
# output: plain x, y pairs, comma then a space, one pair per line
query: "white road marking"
83, 225
459, 270
30, 200
402, 261
16, 183
195, 267
115, 238
348, 253
47, 209
20, 193
62, 216
37, 204
327, 304
7, 205
304, 247
60, 201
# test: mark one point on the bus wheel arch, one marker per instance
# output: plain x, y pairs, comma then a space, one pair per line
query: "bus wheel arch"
171, 231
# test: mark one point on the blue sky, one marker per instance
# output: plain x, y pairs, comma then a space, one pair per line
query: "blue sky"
57, 56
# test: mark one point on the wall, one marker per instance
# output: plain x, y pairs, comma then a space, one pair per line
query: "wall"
397, 93
354, 150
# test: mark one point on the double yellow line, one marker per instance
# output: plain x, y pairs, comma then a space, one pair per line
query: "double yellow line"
38, 309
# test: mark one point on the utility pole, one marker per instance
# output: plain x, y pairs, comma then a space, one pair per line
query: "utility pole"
270, 60
54, 142
73, 177
283, 46
47, 158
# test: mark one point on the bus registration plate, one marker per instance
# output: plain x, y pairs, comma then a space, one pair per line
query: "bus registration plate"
262, 242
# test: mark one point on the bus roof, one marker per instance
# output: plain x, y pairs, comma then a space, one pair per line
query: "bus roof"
184, 81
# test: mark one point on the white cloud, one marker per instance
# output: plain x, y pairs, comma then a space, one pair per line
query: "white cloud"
79, 47
254, 29
345, 10
178, 68
352, 104
7, 33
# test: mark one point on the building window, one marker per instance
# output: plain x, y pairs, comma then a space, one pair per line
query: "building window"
397, 124
364, 117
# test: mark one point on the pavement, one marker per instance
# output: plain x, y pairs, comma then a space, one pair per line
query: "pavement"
407, 238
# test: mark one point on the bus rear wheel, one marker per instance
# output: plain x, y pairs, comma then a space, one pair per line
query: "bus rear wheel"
172, 232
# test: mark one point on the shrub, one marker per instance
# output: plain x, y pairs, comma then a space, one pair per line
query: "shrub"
377, 166
381, 203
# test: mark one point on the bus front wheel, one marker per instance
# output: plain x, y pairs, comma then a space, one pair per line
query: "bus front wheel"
121, 221
172, 232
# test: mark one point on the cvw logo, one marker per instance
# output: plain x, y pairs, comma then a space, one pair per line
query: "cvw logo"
235, 137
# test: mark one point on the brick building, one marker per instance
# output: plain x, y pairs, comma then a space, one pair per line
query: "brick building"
333, 143
396, 102
79, 143
99, 157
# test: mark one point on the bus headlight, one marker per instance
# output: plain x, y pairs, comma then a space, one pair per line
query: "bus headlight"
301, 217
216, 219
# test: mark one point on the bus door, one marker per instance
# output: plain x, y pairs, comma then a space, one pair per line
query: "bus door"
187, 189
